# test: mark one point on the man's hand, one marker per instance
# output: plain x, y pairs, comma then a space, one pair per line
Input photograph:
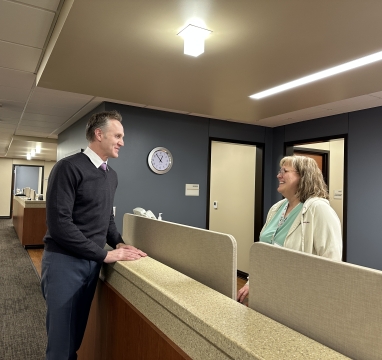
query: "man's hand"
242, 293
123, 252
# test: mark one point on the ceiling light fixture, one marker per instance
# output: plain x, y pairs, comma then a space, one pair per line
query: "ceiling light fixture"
194, 37
28, 156
320, 75
33, 152
38, 149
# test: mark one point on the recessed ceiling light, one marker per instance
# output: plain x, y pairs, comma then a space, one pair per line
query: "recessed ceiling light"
320, 75
194, 37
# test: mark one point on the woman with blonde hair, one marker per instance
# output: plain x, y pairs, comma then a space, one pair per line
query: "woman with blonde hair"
304, 220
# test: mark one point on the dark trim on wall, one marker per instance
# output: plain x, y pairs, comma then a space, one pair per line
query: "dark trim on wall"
259, 191
208, 184
345, 201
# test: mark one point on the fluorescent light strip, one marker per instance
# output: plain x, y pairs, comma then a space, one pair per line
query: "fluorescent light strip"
320, 75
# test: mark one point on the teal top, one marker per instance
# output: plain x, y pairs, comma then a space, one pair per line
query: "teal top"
277, 229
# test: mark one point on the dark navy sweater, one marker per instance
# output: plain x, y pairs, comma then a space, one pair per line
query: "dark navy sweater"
79, 209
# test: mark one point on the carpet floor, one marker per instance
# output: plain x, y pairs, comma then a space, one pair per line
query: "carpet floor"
22, 307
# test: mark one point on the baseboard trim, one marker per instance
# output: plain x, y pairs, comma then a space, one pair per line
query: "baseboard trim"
242, 274
39, 246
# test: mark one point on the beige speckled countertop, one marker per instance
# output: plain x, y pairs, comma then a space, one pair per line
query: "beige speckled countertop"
23, 200
203, 322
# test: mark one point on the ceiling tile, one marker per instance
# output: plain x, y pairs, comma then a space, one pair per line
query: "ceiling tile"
13, 94
49, 110
5, 138
19, 57
46, 129
7, 126
31, 133
5, 114
42, 117
9, 105
16, 78
35, 22
45, 4
40, 124
55, 98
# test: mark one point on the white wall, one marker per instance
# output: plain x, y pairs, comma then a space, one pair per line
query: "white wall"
6, 167
5, 186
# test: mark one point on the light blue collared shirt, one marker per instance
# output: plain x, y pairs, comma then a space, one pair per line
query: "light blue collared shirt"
94, 158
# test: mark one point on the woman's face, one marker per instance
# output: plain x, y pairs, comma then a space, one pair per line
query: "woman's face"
289, 179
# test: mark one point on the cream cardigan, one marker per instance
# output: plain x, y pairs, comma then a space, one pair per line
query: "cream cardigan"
316, 230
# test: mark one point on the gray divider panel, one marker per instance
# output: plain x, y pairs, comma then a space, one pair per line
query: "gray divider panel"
205, 256
337, 304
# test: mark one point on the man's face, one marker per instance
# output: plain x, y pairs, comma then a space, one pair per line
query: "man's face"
111, 140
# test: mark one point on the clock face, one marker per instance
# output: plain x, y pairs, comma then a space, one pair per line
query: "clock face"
160, 160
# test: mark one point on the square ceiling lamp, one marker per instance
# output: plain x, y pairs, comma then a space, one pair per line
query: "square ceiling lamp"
194, 37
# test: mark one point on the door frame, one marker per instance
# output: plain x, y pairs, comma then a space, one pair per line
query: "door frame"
325, 160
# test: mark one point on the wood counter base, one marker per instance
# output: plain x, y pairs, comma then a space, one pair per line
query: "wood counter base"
116, 330
29, 223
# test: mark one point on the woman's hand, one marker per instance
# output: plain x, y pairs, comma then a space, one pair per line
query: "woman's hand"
242, 293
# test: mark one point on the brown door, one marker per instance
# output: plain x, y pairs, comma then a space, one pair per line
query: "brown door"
321, 160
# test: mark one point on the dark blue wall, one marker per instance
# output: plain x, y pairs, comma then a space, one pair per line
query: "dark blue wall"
364, 191
363, 198
188, 139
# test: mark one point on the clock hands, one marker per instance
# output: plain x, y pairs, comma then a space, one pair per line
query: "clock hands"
160, 159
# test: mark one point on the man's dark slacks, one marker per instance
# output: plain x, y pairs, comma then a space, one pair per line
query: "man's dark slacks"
68, 285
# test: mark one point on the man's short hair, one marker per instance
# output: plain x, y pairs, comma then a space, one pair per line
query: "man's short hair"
100, 121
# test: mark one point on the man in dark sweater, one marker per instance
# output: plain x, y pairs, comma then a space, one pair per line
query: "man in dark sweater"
80, 220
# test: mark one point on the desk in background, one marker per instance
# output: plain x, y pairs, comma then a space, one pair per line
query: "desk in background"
29, 220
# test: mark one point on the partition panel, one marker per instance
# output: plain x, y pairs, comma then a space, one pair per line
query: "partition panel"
206, 256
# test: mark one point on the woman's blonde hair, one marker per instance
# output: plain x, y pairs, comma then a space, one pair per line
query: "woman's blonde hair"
311, 183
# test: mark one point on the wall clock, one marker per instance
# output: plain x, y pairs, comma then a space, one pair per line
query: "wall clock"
160, 160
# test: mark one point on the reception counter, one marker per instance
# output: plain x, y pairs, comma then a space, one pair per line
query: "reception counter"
29, 220
146, 310
179, 303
